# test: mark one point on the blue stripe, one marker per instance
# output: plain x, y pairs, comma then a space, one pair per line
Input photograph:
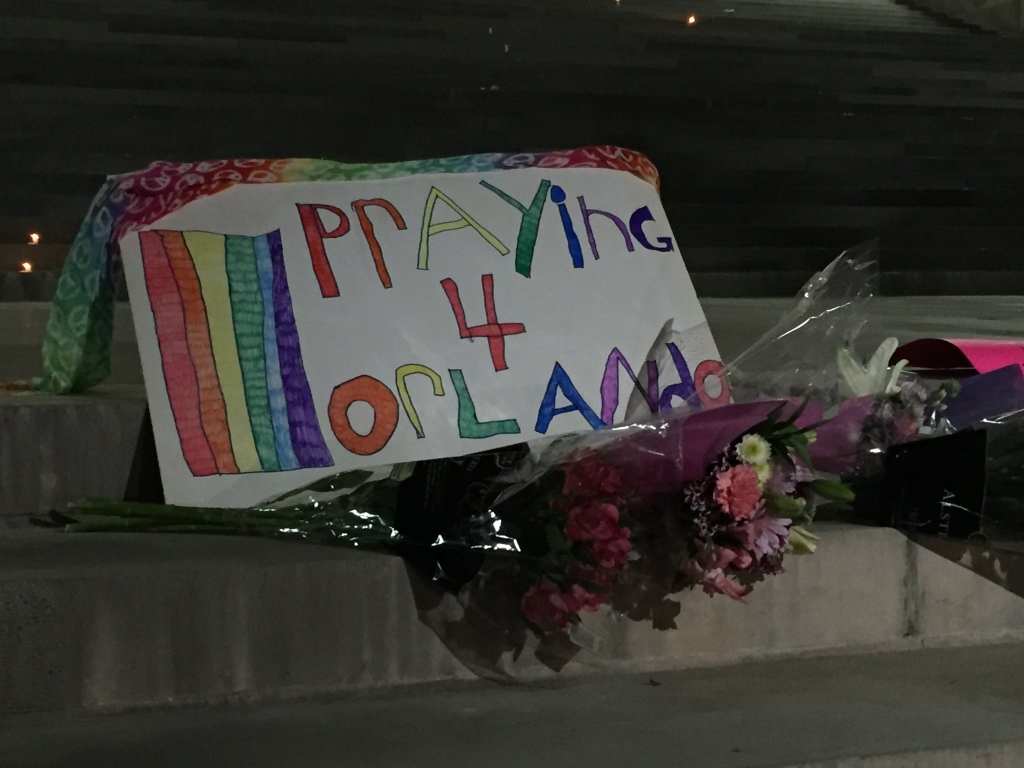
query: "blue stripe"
275, 385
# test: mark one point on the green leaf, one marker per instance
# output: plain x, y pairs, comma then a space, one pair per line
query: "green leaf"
785, 505
832, 490
796, 414
803, 455
780, 451
801, 541
556, 539
773, 415
592, 586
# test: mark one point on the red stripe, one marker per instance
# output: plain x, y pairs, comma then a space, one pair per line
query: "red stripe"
197, 332
178, 368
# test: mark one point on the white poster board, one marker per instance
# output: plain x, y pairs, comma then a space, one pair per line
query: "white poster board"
291, 331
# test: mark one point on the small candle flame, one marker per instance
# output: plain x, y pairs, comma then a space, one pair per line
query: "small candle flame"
26, 266
691, 20
33, 238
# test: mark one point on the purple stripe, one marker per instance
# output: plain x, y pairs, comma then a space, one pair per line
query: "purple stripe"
307, 439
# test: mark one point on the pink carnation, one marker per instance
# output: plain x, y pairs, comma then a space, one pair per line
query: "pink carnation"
591, 478
612, 553
547, 607
737, 491
587, 601
764, 535
596, 522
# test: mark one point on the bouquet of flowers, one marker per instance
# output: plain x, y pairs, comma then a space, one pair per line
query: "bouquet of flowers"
710, 499
590, 528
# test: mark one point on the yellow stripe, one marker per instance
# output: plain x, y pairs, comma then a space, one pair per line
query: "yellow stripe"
208, 254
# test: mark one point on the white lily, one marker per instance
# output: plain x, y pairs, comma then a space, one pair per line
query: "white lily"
875, 378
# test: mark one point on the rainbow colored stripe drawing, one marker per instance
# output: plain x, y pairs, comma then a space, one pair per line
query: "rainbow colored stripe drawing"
230, 353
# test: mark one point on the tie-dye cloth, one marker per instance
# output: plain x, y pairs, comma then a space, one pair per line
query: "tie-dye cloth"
76, 350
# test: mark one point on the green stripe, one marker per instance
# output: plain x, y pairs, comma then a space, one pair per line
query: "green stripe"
247, 311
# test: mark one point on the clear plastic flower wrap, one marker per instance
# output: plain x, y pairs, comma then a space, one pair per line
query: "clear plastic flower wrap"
798, 357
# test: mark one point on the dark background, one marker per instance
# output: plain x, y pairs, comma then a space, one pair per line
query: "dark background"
784, 130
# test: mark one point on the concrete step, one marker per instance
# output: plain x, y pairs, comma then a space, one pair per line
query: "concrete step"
373, 21
932, 709
1003, 18
54, 450
114, 622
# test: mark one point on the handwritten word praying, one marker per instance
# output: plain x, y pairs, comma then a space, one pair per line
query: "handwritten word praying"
317, 232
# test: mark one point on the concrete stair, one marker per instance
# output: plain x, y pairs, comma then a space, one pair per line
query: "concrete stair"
785, 131
931, 709
113, 622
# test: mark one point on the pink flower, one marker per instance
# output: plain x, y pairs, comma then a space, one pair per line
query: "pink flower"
591, 478
737, 491
612, 553
728, 557
597, 577
740, 558
547, 607
782, 480
718, 583
710, 572
561, 505
763, 535
596, 522
906, 427
802, 474
587, 601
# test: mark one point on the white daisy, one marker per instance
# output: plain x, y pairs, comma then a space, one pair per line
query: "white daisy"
754, 449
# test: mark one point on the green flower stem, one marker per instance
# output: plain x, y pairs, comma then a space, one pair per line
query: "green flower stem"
134, 510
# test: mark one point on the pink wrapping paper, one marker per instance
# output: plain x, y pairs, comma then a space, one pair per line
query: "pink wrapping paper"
963, 356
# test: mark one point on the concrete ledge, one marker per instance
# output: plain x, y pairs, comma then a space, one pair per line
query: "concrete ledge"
23, 328
54, 450
112, 622
960, 708
1002, 16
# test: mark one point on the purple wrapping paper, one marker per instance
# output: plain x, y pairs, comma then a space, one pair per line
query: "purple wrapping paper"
987, 396
664, 460
837, 449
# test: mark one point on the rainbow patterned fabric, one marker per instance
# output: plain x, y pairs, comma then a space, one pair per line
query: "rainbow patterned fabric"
76, 350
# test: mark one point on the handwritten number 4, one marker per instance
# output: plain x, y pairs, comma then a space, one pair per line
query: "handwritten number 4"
492, 330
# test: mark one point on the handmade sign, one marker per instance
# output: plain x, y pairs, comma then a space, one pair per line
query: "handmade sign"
290, 331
